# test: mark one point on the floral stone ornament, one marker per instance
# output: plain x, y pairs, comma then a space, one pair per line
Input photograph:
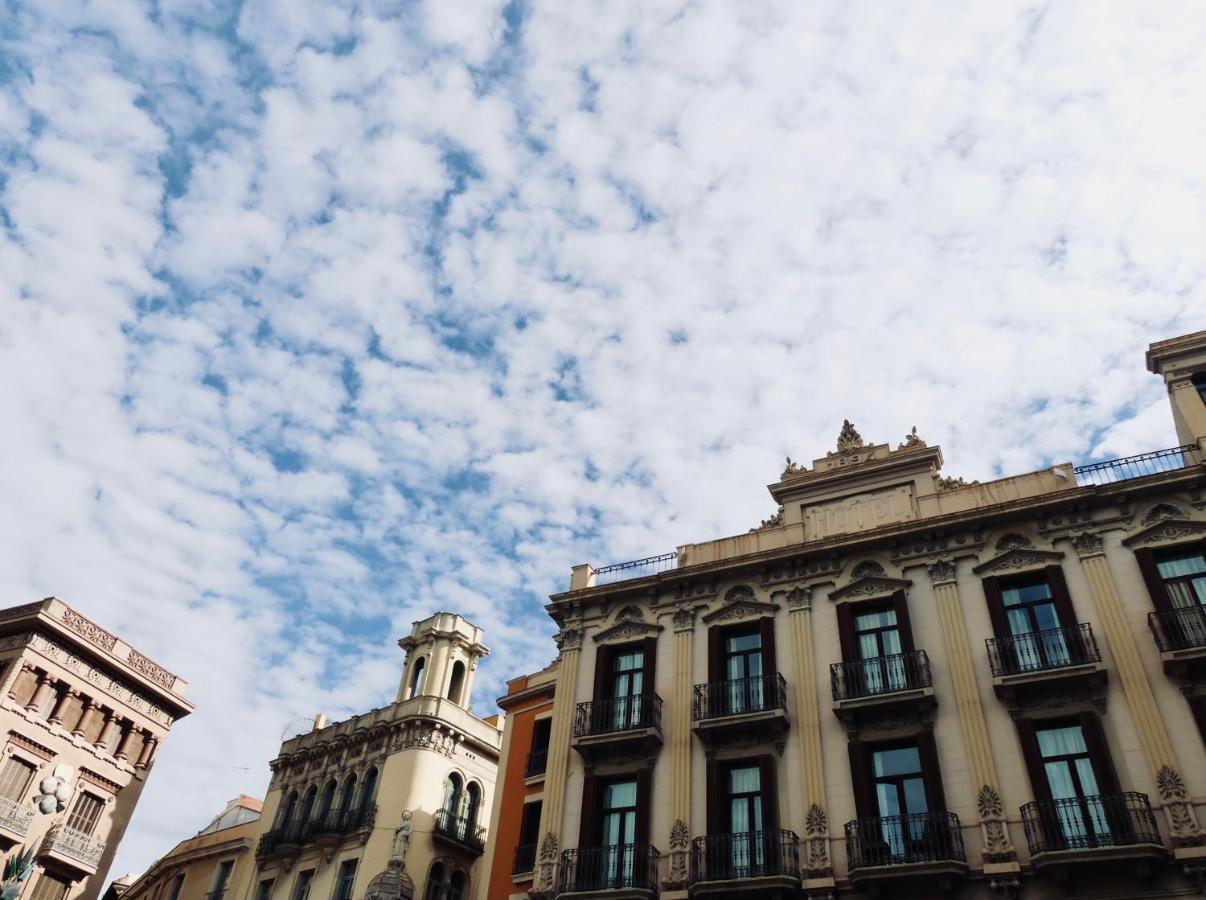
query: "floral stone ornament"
56, 789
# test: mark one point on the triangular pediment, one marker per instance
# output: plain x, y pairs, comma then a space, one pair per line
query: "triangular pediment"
1019, 558
1165, 531
628, 628
740, 609
870, 586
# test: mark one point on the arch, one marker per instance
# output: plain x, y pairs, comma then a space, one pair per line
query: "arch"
288, 811
456, 886
473, 803
307, 804
435, 882
368, 789
416, 677
456, 684
349, 791
327, 803
452, 794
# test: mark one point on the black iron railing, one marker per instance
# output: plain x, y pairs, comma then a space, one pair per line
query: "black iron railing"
538, 761
631, 866
1052, 648
880, 675
596, 717
290, 834
740, 696
904, 840
636, 568
747, 854
461, 830
525, 859
1179, 629
1078, 823
1112, 470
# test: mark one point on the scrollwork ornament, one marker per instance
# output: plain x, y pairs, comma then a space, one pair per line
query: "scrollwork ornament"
684, 618
941, 572
548, 863
799, 597
988, 802
816, 822
569, 639
1087, 544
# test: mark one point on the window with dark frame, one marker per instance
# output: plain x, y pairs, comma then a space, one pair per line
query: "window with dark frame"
1073, 783
222, 878
626, 686
538, 755
301, 889
1199, 383
15, 777
742, 662
85, 813
1033, 618
529, 837
877, 636
345, 879
264, 889
49, 887
177, 884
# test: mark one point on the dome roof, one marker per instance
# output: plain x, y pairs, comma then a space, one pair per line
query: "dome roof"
392, 884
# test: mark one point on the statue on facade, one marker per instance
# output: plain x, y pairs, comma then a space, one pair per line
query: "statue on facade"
848, 437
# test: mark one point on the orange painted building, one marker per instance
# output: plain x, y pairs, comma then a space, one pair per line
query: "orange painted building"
518, 800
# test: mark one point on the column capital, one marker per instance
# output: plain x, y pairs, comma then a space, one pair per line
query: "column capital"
1087, 545
941, 572
799, 598
569, 638
684, 618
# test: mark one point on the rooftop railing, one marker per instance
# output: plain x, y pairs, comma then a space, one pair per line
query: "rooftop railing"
636, 568
1113, 470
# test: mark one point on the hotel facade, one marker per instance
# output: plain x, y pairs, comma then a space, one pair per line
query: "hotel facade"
900, 684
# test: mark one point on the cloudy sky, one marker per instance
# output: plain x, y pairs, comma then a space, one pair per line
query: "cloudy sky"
319, 317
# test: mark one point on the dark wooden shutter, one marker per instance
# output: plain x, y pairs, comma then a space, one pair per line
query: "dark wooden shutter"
592, 812
767, 634
996, 607
845, 617
901, 605
931, 771
1151, 577
1061, 597
1198, 706
715, 655
715, 802
649, 654
602, 671
860, 779
1033, 759
644, 804
1099, 753
769, 784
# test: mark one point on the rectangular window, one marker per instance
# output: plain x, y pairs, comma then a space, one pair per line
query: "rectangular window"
1035, 625
1199, 383
301, 890
15, 776
48, 887
538, 755
747, 842
877, 636
1184, 577
345, 880
85, 813
264, 889
221, 878
177, 884
742, 662
618, 855
1079, 812
627, 684
529, 823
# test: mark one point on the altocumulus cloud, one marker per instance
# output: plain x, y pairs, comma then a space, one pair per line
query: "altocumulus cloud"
318, 317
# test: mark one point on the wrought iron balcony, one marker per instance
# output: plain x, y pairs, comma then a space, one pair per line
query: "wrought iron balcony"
739, 697
921, 838
745, 855
216, 894
15, 818
525, 859
627, 867
282, 839
537, 763
880, 675
460, 830
1179, 629
1138, 466
599, 717
79, 850
636, 568
1088, 823
1040, 651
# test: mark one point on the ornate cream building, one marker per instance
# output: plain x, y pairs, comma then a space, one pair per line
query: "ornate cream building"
83, 715
900, 684
392, 803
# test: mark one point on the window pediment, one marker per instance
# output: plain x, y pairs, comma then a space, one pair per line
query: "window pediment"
1019, 558
1166, 531
740, 609
870, 586
627, 629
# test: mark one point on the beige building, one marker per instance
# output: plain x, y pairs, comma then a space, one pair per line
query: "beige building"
392, 803
83, 716
900, 684
216, 863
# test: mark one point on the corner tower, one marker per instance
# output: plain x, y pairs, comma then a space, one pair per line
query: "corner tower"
442, 653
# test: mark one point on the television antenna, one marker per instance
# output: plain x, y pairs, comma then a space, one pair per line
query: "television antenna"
295, 726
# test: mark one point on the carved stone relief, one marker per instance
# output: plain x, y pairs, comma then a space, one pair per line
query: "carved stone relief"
1087, 544
941, 572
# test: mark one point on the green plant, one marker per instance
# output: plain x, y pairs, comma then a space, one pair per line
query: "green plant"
16, 870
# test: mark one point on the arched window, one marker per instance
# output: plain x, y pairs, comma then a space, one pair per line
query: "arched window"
452, 794
456, 887
307, 806
328, 800
416, 676
457, 683
368, 790
349, 791
435, 882
473, 804
288, 811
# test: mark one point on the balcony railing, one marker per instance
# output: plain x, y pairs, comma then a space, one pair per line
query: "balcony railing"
14, 817
619, 867
341, 821
537, 764
73, 844
618, 714
1113, 470
217, 894
461, 830
904, 840
1179, 629
525, 859
880, 675
740, 696
1038, 651
636, 568
1079, 823
749, 854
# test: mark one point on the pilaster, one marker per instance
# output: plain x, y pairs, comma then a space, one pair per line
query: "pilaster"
680, 747
553, 811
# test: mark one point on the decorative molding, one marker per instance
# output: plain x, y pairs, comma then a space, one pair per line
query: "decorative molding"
1014, 541
1019, 559
548, 863
627, 629
912, 439
1166, 531
24, 609
848, 438
1162, 511
739, 594
89, 630
816, 854
569, 638
870, 587
868, 568
680, 840
1088, 544
988, 803
799, 598
773, 522
99, 780
741, 609
152, 670
684, 618
941, 572
31, 746
1182, 821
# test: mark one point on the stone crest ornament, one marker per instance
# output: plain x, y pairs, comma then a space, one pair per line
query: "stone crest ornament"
988, 802
867, 569
799, 597
816, 830
684, 618
1087, 544
569, 639
997, 847
548, 863
1181, 819
912, 440
679, 842
941, 572
1013, 541
848, 438
1162, 511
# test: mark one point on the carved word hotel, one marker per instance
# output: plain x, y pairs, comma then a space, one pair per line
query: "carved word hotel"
901, 684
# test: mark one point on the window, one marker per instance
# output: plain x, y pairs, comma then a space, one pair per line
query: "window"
898, 794
1035, 625
368, 791
877, 636
307, 804
345, 879
743, 671
301, 889
741, 818
538, 756
473, 803
416, 678
221, 879
627, 685
456, 683
452, 794
1199, 383
435, 882
529, 836
48, 887
1068, 769
263, 890
177, 884
349, 792
327, 803
1184, 577
85, 813
15, 776
456, 886
618, 832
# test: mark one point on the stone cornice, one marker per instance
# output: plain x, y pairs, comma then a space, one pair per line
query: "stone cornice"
1166, 531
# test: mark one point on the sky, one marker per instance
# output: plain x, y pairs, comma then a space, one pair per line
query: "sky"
316, 318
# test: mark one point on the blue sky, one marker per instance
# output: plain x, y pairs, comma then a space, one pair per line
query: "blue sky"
319, 317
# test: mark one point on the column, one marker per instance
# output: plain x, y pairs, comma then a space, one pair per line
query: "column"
60, 706
436, 676
40, 694
1000, 859
86, 711
108, 731
24, 672
680, 747
123, 746
551, 814
148, 752
1166, 771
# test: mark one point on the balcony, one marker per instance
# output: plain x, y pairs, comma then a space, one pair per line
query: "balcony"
750, 708
888, 849
67, 849
760, 864
459, 832
1138, 466
282, 841
1181, 636
629, 725
14, 821
1023, 662
331, 827
881, 684
525, 859
619, 872
1093, 830
537, 763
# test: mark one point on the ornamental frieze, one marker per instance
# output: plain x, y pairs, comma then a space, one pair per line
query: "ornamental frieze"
150, 669
89, 630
